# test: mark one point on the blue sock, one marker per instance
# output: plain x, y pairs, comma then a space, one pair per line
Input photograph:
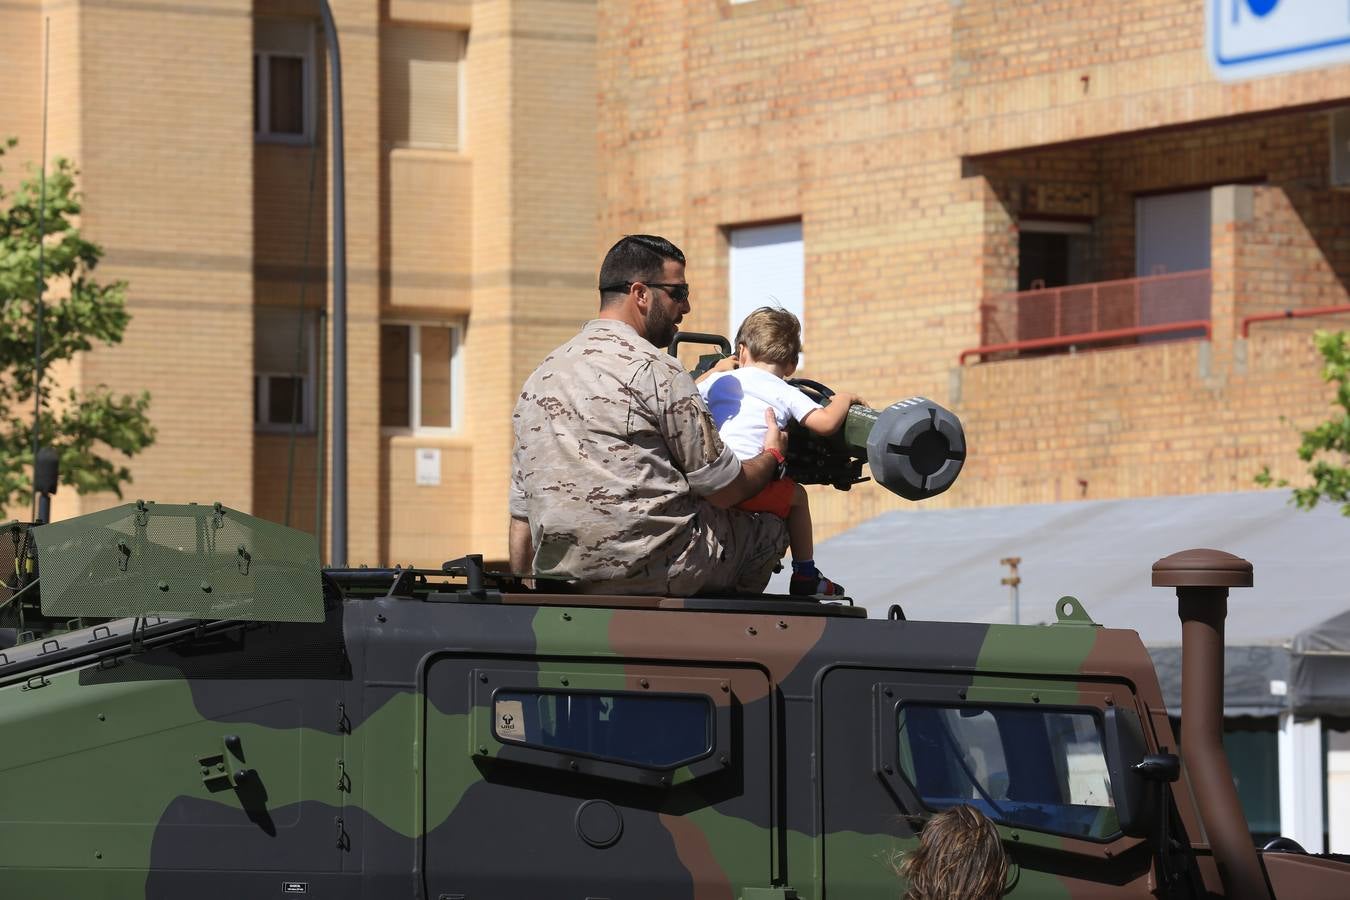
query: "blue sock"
805, 567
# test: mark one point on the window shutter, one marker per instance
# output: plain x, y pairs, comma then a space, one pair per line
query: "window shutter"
419, 86
276, 335
766, 269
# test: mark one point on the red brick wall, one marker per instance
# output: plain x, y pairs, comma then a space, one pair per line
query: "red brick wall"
910, 138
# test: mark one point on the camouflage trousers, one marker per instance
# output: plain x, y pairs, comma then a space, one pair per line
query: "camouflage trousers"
724, 551
744, 549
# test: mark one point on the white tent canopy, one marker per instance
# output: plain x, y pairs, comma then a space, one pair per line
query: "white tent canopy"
1286, 646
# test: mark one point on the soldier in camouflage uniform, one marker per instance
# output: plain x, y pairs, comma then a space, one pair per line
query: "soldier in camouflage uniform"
619, 479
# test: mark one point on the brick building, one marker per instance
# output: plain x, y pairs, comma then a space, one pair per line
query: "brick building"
922, 166
199, 128
905, 172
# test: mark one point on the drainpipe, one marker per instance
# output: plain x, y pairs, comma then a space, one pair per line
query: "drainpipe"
1202, 579
337, 545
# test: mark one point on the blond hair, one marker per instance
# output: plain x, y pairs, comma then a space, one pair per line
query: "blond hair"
960, 855
772, 335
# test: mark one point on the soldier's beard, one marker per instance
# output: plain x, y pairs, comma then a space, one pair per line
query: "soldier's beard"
660, 325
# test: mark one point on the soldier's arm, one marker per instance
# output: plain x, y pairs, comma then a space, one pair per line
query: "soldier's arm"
519, 542
756, 472
521, 546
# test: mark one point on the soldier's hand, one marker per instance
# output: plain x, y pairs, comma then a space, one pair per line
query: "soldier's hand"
774, 438
725, 364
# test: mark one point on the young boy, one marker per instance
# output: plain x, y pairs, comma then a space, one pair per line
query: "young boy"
767, 347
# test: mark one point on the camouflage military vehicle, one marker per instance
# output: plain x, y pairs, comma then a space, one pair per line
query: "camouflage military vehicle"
222, 719
253, 727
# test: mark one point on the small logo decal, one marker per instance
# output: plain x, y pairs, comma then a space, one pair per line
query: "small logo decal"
510, 716
295, 887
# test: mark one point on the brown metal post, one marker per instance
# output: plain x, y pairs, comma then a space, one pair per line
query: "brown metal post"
1202, 579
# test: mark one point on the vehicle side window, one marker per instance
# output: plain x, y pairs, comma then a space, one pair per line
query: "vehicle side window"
1024, 767
658, 731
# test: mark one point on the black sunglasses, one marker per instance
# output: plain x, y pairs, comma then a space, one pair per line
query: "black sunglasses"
678, 292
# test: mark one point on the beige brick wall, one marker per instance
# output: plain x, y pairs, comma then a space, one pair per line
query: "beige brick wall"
1024, 76
164, 147
21, 59
428, 236
531, 135
498, 234
427, 523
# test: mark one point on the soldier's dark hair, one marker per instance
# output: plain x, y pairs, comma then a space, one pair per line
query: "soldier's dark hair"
636, 257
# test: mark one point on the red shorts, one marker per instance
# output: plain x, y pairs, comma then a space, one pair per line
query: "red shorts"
776, 498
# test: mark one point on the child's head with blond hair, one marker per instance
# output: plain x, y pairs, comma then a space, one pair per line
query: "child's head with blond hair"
959, 855
771, 335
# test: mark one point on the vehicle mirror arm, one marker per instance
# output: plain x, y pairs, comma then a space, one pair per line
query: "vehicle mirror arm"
1162, 769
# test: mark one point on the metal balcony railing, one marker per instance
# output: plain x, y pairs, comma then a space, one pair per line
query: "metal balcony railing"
1128, 311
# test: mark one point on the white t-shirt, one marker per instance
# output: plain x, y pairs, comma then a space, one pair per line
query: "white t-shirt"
737, 400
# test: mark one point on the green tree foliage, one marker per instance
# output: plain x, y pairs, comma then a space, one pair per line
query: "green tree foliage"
1326, 447
85, 427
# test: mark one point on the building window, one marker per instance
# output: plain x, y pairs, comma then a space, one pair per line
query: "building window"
420, 86
766, 268
283, 82
283, 370
1172, 232
419, 377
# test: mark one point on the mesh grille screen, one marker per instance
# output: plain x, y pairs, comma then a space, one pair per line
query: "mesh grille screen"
179, 561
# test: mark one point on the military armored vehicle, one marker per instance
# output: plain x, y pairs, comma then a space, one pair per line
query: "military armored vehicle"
195, 709
253, 727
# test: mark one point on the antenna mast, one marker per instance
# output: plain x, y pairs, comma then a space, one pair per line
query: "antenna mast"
42, 267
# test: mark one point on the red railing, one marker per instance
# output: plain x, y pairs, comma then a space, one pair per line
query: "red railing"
1129, 309
1194, 326
1247, 321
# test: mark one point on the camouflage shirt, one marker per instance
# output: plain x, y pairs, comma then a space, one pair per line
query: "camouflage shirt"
614, 450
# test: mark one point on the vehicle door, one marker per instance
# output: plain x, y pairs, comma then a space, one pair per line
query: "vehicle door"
573, 779
1029, 753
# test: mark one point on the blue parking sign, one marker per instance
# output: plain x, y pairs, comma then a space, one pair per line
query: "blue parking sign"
1246, 38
